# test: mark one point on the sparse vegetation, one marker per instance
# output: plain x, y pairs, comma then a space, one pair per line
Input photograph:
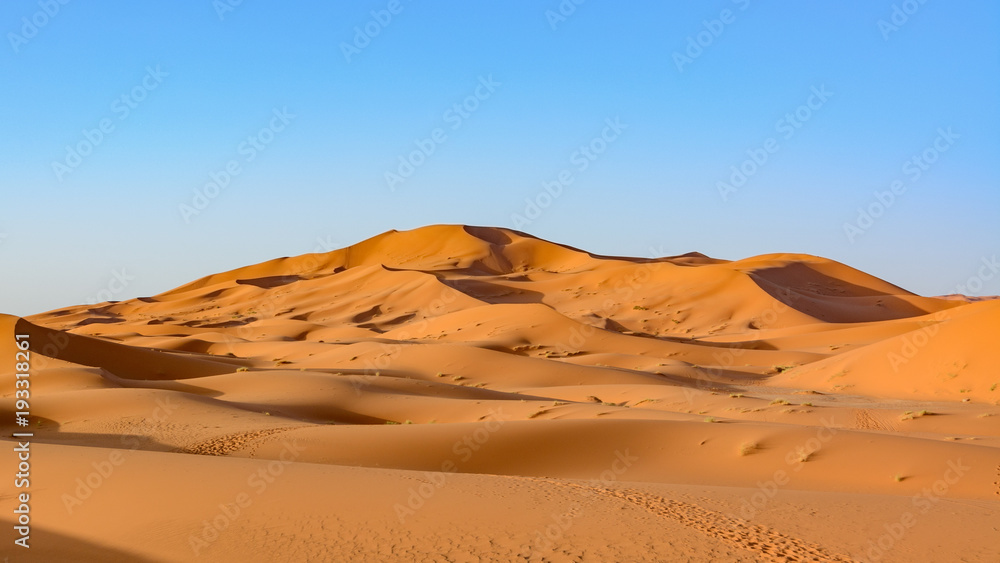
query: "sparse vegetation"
898, 478
783, 368
736, 395
457, 378
711, 419
748, 448
639, 308
242, 369
391, 422
780, 402
439, 374
993, 387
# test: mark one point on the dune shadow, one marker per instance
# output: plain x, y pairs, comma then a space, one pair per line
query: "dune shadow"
47, 545
270, 282
494, 293
491, 235
831, 299
125, 442
100, 321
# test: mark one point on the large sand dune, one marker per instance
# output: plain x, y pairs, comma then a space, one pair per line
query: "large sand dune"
461, 393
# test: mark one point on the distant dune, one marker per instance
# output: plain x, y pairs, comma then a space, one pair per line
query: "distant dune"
458, 393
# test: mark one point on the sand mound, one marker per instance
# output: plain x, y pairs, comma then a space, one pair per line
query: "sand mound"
456, 391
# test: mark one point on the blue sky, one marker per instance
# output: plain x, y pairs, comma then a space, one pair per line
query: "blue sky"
499, 99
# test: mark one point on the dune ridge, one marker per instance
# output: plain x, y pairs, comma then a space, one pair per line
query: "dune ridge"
661, 393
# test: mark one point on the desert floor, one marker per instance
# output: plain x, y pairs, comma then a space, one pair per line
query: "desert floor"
476, 394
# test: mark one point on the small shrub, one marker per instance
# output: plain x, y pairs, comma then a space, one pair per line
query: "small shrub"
748, 448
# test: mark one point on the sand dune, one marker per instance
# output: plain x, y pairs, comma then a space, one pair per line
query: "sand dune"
459, 393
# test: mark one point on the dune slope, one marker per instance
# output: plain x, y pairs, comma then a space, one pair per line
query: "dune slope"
459, 393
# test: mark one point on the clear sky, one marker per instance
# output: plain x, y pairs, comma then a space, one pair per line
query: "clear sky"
117, 115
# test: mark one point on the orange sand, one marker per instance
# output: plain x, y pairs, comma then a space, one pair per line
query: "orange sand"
477, 394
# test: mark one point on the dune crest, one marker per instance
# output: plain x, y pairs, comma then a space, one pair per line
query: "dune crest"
668, 391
